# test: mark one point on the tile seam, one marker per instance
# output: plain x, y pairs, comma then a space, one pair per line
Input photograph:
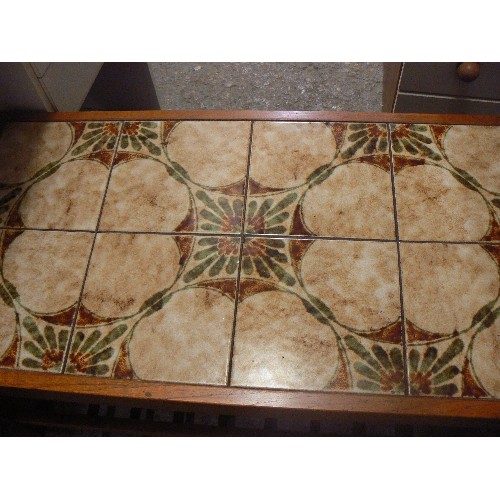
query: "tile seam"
400, 269
240, 258
250, 235
96, 232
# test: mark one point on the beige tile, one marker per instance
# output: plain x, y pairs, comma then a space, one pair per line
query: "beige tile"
213, 153
42, 276
25, 148
157, 307
355, 201
279, 344
324, 179
193, 332
451, 295
142, 196
447, 182
126, 269
179, 177
285, 154
55, 174
70, 198
47, 268
433, 205
319, 315
445, 285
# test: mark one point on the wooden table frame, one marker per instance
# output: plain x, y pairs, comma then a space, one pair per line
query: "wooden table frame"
233, 400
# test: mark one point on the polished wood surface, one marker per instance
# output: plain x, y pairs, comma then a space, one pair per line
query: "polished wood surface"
256, 115
238, 400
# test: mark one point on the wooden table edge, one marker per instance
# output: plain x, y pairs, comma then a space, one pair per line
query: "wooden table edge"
235, 399
254, 115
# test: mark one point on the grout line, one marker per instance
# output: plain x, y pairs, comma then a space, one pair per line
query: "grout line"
240, 260
400, 270
444, 242
10, 228
96, 232
249, 235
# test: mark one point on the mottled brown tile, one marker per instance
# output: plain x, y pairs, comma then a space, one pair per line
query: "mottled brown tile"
55, 174
142, 196
284, 154
70, 198
41, 279
126, 269
447, 182
157, 307
214, 153
451, 295
25, 148
179, 177
335, 180
319, 315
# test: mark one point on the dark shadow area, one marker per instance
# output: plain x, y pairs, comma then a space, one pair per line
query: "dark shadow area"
29, 417
122, 87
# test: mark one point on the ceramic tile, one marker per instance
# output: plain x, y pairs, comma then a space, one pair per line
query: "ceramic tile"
323, 179
157, 307
41, 278
447, 182
178, 177
54, 174
319, 315
451, 296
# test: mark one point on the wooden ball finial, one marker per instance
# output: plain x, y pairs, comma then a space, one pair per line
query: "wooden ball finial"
468, 71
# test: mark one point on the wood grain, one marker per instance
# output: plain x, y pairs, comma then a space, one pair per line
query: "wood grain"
255, 115
238, 400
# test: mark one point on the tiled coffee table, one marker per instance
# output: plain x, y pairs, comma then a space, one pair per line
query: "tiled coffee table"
253, 261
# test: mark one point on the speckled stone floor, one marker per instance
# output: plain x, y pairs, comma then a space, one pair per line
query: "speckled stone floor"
270, 86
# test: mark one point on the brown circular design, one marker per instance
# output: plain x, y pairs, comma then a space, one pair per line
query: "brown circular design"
127, 269
355, 201
47, 268
143, 197
433, 205
357, 280
446, 285
285, 154
25, 148
69, 199
279, 344
186, 341
213, 153
476, 150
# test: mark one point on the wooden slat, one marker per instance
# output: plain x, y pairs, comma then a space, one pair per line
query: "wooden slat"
229, 400
255, 115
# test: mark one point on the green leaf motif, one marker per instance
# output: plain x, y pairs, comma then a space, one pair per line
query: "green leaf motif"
468, 177
319, 175
483, 312
489, 320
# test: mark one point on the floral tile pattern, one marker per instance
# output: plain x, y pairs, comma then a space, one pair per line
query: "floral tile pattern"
316, 314
179, 177
41, 277
157, 307
452, 310
447, 182
320, 179
53, 175
264, 254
